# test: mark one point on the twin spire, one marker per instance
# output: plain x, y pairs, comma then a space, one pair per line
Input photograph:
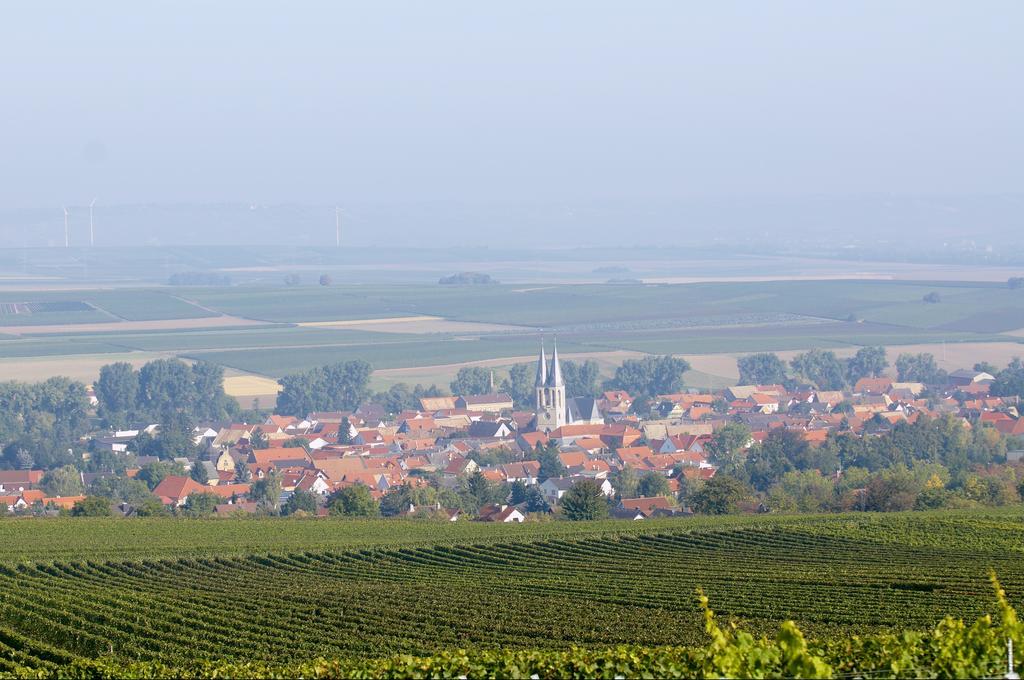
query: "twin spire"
549, 377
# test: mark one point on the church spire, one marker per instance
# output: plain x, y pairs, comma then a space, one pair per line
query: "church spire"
542, 367
555, 376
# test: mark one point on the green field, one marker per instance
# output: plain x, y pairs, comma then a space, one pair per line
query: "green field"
283, 591
701, 318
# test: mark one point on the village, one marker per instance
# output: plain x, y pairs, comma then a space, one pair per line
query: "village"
487, 458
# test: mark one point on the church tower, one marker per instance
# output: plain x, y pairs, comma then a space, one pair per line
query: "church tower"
550, 391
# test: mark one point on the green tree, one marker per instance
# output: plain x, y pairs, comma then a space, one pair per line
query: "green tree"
64, 481
92, 506
154, 473
720, 495
550, 464
117, 391
765, 368
150, 507
201, 504
868, 362
519, 384
198, 473
919, 368
336, 387
728, 442
584, 501
121, 489
580, 378
355, 500
266, 492
471, 380
650, 376
625, 482
820, 367
305, 501
345, 431
653, 484
1009, 382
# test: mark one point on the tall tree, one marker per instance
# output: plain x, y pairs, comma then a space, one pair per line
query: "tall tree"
117, 391
821, 367
519, 384
584, 501
868, 362
337, 387
580, 378
765, 368
651, 375
471, 380
63, 481
919, 368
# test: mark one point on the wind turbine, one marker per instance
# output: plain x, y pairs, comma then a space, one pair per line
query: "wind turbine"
337, 226
92, 233
67, 233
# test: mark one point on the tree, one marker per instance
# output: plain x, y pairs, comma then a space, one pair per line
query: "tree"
471, 380
258, 440
154, 473
267, 492
986, 367
720, 495
1009, 382
932, 298
92, 506
728, 441
626, 482
765, 368
519, 384
326, 280
584, 501
653, 484
117, 391
121, 489
306, 501
479, 492
345, 431
198, 473
201, 504
336, 387
580, 378
64, 481
821, 367
650, 376
150, 507
1015, 282
919, 368
292, 279
550, 464
868, 362
355, 500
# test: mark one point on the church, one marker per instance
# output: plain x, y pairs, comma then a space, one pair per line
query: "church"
552, 410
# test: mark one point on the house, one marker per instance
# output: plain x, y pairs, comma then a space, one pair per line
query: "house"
495, 402
554, 488
262, 461
505, 514
964, 377
175, 490
16, 481
431, 404
873, 386
482, 428
646, 507
525, 472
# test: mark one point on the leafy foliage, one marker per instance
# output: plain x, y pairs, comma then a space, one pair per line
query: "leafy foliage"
337, 387
765, 368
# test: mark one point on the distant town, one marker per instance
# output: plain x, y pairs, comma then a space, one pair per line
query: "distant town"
818, 434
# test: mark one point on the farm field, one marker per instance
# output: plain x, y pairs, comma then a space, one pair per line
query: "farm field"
272, 331
284, 591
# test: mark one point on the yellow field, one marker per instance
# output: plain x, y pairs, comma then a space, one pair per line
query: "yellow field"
250, 386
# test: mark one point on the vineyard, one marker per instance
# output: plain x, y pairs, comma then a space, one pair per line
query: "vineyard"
835, 577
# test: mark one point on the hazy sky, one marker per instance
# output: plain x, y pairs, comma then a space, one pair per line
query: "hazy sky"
522, 101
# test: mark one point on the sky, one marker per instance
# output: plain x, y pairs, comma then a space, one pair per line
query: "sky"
510, 102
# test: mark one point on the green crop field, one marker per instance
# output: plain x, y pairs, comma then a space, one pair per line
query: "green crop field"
179, 591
